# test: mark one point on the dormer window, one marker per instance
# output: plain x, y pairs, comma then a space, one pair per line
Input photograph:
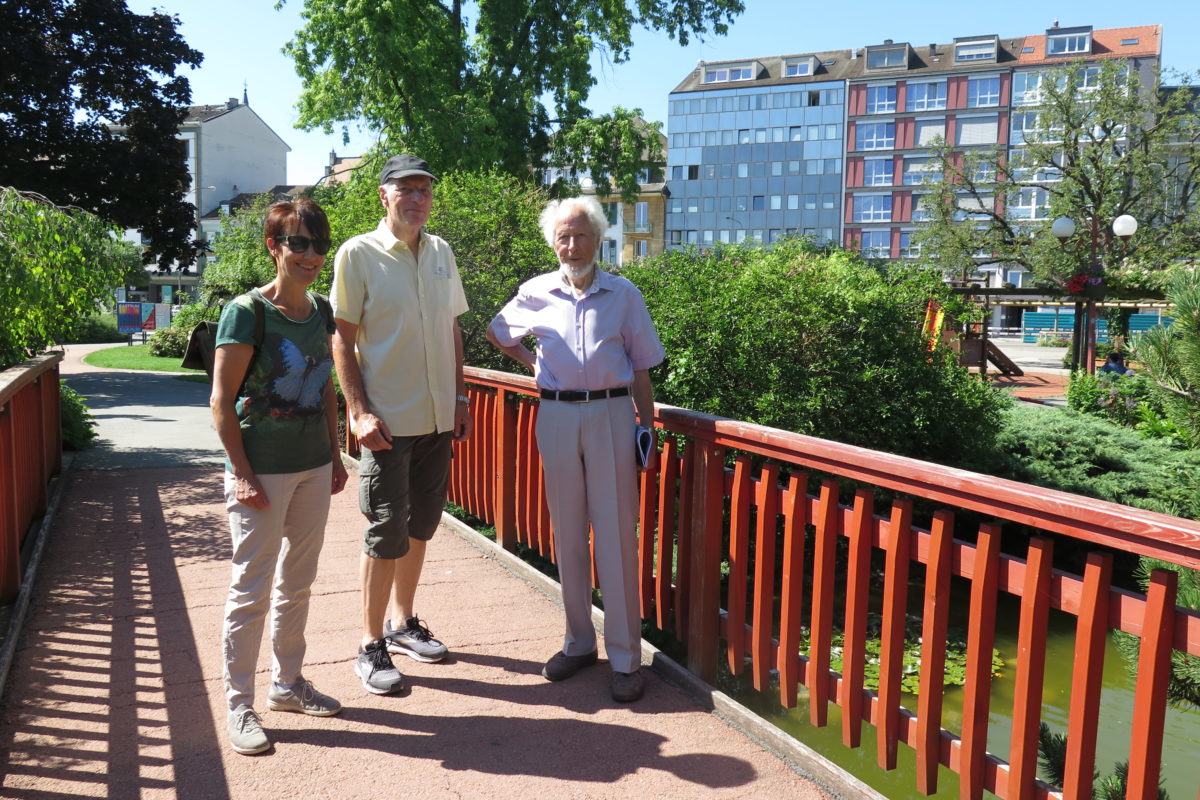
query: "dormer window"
723, 74
1069, 41
887, 57
799, 67
981, 48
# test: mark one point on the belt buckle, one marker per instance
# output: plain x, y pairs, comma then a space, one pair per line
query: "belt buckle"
587, 395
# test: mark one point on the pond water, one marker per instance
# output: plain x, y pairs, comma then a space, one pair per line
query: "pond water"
1181, 745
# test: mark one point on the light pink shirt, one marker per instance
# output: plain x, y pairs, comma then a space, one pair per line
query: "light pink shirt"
592, 342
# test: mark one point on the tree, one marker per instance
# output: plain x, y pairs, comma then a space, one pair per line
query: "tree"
1096, 145
71, 69
816, 342
490, 219
59, 265
1171, 355
504, 90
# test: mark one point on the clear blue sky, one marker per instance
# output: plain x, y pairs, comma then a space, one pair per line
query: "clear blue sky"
241, 42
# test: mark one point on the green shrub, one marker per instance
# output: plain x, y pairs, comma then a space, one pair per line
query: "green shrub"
1127, 400
1072, 452
812, 341
96, 329
78, 424
169, 342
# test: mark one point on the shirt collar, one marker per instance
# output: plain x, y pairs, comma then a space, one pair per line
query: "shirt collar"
602, 282
388, 240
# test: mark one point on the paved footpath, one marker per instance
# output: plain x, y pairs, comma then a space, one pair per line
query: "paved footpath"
116, 687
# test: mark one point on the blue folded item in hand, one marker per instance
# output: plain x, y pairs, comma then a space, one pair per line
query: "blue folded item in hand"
643, 444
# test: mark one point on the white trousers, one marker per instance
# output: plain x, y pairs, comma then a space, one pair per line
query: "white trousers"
591, 477
274, 548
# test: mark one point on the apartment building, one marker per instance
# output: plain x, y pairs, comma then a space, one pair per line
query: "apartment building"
836, 145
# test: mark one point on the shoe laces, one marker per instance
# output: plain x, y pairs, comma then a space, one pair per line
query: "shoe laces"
377, 654
248, 722
418, 630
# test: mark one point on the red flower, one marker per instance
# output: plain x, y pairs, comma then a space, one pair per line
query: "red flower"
1077, 283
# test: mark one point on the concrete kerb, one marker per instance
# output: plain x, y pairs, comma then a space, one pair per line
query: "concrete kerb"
801, 758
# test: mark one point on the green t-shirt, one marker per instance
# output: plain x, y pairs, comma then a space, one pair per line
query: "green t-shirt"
282, 405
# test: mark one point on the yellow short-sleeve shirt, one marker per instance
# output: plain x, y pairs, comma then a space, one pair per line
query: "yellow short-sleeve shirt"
404, 307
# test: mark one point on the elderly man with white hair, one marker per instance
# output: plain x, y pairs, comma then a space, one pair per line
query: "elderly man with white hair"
595, 347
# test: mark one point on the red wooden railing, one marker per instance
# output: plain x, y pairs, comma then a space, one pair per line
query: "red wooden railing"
696, 511
30, 452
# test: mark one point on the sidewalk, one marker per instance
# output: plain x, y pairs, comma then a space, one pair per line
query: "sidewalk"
116, 688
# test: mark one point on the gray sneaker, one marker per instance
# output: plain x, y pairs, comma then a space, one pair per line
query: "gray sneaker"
245, 732
413, 640
303, 698
375, 668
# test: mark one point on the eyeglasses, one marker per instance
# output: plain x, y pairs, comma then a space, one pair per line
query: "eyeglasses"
300, 244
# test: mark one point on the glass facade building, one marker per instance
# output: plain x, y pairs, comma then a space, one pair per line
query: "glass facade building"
754, 162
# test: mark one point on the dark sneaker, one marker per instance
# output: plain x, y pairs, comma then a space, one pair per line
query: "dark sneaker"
245, 732
413, 640
627, 686
375, 668
563, 666
302, 698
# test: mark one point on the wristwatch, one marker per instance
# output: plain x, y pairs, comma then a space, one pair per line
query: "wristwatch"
462, 398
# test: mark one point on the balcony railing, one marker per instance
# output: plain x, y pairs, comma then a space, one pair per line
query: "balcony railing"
30, 452
638, 227
767, 503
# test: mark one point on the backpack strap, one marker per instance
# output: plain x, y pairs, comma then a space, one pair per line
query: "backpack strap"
260, 333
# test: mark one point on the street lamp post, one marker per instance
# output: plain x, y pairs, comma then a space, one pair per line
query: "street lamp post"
1084, 341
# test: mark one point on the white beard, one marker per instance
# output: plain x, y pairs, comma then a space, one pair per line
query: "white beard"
576, 273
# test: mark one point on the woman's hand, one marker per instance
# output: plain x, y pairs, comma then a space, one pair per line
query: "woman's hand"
249, 492
339, 474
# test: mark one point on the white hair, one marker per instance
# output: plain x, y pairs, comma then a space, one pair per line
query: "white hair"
558, 210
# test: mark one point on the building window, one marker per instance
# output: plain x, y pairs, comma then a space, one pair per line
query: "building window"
758, 202
881, 99
798, 69
693, 205
878, 172
1029, 203
876, 244
641, 248
793, 202
909, 248
885, 59
1068, 44
968, 206
1027, 88
926, 96
872, 208
920, 208
919, 170
828, 200
983, 91
776, 202
977, 130
1024, 124
927, 131
675, 205
975, 50
1128, 42
729, 74
875, 136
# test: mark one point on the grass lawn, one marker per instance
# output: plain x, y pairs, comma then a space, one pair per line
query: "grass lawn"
138, 357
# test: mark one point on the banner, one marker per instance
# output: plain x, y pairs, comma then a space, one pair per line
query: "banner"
138, 317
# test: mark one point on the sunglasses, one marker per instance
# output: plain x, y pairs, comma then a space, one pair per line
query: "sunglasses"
300, 244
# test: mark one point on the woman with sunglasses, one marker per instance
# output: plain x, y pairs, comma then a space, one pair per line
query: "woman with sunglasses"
277, 418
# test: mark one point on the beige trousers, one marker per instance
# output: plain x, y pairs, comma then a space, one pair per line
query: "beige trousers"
591, 477
275, 552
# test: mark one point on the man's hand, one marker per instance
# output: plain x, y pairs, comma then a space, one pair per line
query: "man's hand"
372, 432
463, 424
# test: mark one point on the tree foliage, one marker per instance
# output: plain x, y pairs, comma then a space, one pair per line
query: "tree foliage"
815, 342
487, 85
71, 69
57, 267
1097, 145
1171, 355
489, 219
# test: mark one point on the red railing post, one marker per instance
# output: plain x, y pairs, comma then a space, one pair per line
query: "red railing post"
705, 580
504, 471
1031, 668
10, 527
820, 637
1150, 696
858, 589
1091, 634
895, 619
933, 651
764, 574
792, 594
980, 640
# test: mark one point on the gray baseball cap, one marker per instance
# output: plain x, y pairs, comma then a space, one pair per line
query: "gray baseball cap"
402, 166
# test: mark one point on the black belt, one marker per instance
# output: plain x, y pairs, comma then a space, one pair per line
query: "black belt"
583, 397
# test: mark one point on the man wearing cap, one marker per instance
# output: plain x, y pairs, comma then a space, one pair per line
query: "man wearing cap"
398, 350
